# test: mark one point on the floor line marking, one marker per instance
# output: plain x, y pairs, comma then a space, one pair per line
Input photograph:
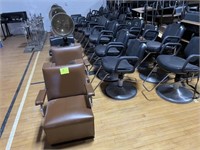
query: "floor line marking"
3, 125
14, 127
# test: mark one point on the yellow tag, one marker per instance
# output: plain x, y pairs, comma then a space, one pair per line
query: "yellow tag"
64, 70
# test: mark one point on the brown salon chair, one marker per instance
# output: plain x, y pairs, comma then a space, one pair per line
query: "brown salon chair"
68, 116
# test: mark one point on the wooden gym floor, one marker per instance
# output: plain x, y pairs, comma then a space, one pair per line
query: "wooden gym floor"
136, 124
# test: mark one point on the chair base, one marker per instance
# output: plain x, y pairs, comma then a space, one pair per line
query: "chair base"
179, 95
109, 78
125, 92
155, 77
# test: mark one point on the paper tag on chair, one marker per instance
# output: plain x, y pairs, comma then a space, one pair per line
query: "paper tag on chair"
64, 70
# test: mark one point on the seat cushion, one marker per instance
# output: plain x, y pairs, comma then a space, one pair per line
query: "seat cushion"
65, 111
153, 46
174, 64
94, 39
87, 31
68, 119
100, 51
109, 63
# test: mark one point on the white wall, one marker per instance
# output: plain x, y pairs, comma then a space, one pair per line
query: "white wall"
43, 7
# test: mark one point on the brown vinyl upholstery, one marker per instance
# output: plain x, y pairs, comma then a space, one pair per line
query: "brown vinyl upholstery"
68, 115
66, 55
59, 86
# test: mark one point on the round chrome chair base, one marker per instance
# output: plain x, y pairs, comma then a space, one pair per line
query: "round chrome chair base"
180, 95
109, 78
127, 91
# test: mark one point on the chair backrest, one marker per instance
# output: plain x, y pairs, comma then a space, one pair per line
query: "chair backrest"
122, 18
174, 29
111, 25
122, 36
63, 55
192, 47
102, 20
136, 48
136, 22
149, 35
64, 81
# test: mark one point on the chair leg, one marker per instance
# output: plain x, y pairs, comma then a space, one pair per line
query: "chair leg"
100, 82
42, 110
92, 57
155, 86
96, 74
94, 63
86, 44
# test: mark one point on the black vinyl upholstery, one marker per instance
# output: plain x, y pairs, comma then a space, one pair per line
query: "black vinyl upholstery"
128, 62
180, 65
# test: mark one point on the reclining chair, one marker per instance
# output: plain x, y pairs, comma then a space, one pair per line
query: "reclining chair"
172, 35
184, 69
68, 115
123, 64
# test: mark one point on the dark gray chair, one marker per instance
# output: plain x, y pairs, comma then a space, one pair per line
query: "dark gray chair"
172, 35
184, 69
121, 65
111, 49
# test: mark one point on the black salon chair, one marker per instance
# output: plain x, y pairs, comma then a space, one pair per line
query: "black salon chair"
184, 69
111, 49
121, 65
172, 34
121, 39
93, 28
106, 33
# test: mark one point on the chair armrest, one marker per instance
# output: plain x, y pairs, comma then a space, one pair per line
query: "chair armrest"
89, 89
150, 33
79, 61
177, 47
190, 59
135, 30
86, 62
97, 27
115, 43
119, 47
131, 58
99, 40
107, 32
172, 39
40, 97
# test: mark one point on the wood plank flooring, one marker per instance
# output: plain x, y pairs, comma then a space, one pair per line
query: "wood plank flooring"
136, 124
